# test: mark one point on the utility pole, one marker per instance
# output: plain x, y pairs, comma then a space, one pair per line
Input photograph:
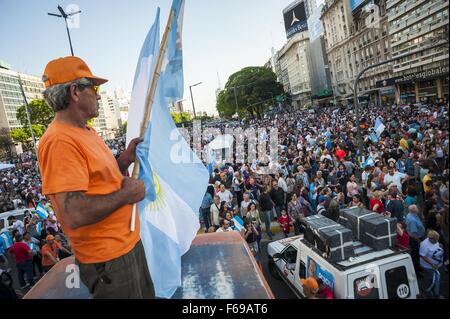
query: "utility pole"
65, 16
28, 115
192, 98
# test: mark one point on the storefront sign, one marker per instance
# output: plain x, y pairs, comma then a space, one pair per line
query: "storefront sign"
418, 76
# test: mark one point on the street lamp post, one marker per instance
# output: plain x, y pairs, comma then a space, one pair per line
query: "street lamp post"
65, 16
192, 98
27, 111
360, 74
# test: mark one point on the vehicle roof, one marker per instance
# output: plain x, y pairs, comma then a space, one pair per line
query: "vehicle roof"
16, 212
363, 254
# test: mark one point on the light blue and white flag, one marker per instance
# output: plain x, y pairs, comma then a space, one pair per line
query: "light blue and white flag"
39, 228
373, 137
379, 127
7, 240
369, 162
41, 211
168, 221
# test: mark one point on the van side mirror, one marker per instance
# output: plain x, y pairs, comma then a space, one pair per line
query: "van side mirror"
276, 256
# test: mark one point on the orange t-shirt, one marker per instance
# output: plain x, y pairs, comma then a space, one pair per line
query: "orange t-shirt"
76, 159
46, 261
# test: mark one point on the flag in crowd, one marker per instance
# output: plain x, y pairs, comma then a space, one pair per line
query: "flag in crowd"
41, 211
379, 127
7, 240
175, 184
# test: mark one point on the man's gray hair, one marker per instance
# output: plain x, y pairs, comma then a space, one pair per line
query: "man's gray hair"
58, 95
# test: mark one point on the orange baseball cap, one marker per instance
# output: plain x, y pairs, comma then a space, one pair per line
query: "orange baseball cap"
68, 69
310, 283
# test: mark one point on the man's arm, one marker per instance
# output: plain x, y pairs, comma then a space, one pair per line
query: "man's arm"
78, 209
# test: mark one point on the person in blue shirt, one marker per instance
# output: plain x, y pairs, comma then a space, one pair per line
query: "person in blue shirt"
416, 232
206, 205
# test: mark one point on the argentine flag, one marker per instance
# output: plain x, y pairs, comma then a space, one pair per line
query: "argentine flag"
39, 228
6, 240
379, 127
175, 178
41, 211
369, 162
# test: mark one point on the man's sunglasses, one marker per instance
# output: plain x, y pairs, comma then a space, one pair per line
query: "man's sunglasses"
94, 87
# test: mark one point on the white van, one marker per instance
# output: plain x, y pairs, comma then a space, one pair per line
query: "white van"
386, 274
18, 213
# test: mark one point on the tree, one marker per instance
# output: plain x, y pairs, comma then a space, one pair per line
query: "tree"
5, 143
23, 135
180, 117
256, 87
40, 114
20, 135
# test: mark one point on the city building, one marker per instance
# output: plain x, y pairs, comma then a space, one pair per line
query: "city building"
294, 69
356, 36
414, 25
319, 73
110, 107
11, 98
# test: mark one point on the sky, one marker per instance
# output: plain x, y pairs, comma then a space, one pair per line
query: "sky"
219, 38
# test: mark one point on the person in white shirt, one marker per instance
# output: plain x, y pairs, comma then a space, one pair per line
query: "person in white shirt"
431, 259
224, 194
282, 183
245, 203
214, 212
17, 224
224, 226
394, 177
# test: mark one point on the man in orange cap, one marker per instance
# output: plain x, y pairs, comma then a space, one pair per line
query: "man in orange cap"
310, 287
91, 197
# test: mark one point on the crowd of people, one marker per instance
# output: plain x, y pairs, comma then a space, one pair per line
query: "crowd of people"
404, 174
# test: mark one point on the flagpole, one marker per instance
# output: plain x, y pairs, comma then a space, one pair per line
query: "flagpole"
149, 103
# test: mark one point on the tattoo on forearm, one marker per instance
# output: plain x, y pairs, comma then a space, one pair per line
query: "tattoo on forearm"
71, 196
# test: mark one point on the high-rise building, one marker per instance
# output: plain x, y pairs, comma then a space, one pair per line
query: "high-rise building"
110, 107
320, 79
11, 98
356, 36
294, 69
414, 25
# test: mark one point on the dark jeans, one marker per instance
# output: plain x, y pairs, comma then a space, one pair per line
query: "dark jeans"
37, 261
205, 215
239, 197
415, 246
126, 277
267, 220
298, 229
23, 269
278, 210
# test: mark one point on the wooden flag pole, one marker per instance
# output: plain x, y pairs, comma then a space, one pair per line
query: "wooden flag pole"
149, 103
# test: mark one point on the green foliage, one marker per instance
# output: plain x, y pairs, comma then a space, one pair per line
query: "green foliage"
179, 118
5, 143
40, 114
255, 87
20, 135
23, 135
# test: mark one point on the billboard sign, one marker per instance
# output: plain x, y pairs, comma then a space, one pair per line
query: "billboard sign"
354, 4
295, 18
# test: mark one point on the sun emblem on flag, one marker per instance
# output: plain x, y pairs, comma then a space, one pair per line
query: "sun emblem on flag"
160, 200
